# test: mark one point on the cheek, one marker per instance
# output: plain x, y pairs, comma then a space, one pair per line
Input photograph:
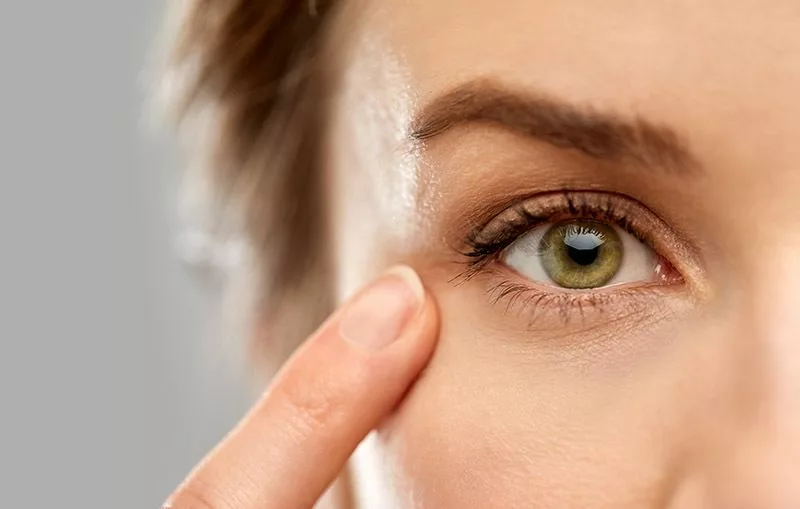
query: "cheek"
493, 423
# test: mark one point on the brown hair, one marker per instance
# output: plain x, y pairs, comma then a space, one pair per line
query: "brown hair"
256, 73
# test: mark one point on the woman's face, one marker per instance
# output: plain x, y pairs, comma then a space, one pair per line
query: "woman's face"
604, 199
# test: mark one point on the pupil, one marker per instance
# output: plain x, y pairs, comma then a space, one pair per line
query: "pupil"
583, 247
583, 257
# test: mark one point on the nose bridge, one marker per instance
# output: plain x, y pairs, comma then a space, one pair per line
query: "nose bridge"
757, 454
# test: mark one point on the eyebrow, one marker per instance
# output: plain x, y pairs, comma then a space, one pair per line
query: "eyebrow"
564, 125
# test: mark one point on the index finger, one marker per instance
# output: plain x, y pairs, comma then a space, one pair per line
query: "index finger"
333, 391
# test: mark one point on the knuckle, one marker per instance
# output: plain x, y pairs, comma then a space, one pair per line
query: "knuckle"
310, 410
314, 406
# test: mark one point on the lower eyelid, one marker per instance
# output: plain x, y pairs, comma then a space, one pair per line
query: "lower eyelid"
541, 306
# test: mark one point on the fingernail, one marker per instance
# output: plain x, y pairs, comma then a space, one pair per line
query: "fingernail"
380, 313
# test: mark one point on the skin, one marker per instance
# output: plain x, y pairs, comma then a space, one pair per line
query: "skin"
345, 378
693, 399
687, 396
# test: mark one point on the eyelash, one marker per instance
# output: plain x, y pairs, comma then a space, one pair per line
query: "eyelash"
483, 251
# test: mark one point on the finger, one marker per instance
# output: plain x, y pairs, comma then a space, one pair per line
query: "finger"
349, 375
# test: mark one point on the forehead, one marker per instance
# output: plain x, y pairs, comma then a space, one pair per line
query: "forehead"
638, 49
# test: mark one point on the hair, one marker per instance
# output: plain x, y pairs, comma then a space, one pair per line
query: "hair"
253, 83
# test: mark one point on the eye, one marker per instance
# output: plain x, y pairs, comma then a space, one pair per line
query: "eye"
582, 254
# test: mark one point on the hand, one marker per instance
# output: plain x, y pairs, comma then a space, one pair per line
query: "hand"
333, 391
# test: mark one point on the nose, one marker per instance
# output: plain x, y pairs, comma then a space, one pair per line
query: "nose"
755, 460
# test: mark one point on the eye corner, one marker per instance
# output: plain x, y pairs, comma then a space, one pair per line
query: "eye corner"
666, 273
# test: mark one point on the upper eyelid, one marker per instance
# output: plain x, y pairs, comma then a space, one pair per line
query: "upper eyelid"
549, 205
510, 231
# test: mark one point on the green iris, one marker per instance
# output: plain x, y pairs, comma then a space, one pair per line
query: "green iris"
581, 253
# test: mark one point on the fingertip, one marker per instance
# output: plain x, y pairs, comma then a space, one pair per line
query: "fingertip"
411, 278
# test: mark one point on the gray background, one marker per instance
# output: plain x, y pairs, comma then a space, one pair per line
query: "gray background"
112, 380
